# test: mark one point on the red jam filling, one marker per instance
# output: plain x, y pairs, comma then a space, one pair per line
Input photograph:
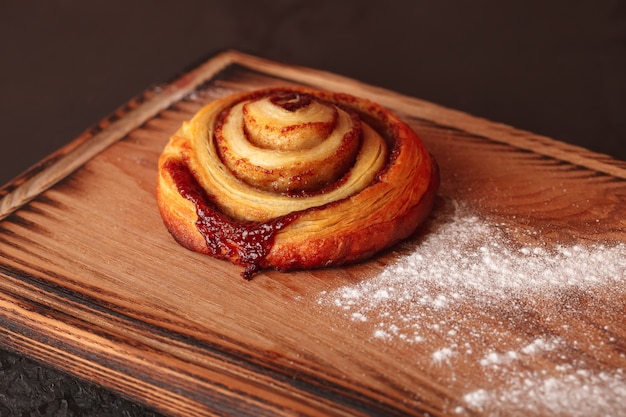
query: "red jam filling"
291, 100
248, 243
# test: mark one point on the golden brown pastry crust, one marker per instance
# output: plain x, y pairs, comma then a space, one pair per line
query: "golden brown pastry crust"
239, 199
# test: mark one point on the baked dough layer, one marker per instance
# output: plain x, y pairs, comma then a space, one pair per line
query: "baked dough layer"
294, 178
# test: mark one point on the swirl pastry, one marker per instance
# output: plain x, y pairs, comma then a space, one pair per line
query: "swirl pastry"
294, 178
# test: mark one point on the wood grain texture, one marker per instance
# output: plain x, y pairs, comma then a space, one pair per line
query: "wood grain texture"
92, 283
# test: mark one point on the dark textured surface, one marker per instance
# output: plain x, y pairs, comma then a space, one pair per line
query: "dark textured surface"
31, 390
555, 68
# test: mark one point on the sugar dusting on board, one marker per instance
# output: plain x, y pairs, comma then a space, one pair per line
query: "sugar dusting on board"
458, 296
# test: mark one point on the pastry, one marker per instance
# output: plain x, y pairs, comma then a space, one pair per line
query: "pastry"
294, 178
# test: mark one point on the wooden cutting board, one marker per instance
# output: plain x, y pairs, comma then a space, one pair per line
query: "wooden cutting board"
511, 300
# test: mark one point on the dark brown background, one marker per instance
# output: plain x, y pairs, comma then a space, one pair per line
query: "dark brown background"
556, 68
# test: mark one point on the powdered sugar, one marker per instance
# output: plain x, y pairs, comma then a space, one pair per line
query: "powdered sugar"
463, 290
469, 258
576, 393
442, 354
473, 258
566, 389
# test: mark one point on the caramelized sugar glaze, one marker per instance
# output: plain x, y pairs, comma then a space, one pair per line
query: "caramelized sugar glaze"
294, 178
